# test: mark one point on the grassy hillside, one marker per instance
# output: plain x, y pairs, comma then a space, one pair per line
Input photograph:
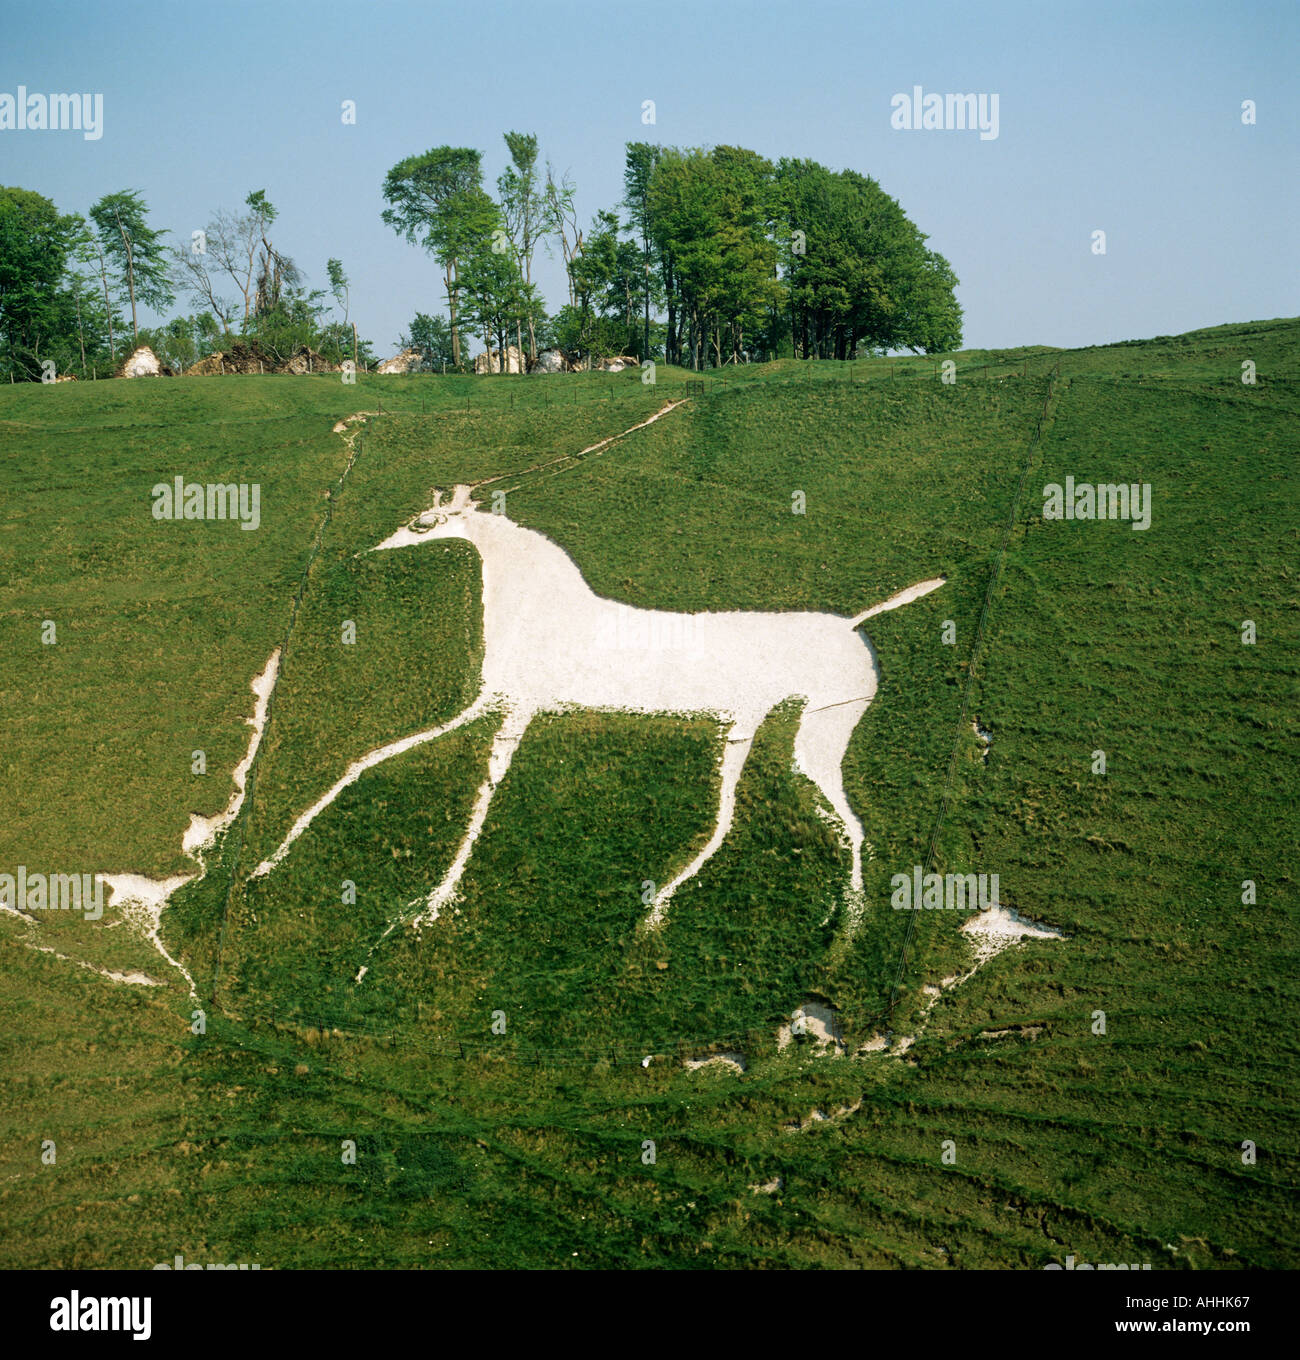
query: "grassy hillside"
527, 1148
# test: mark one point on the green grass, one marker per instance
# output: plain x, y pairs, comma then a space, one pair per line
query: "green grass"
526, 1150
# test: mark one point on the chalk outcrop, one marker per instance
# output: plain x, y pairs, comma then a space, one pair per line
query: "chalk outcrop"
550, 361
252, 358
408, 361
490, 361
143, 363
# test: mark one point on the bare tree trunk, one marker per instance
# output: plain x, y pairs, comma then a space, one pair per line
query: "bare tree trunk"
532, 334
81, 335
451, 307
108, 309
130, 278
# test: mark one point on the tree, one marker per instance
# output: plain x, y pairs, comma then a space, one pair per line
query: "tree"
135, 249
436, 200
495, 295
562, 220
431, 335
638, 170
94, 320
591, 273
275, 272
861, 274
709, 212
89, 242
932, 313
196, 268
339, 285
179, 342
341, 288
35, 241
232, 242
524, 212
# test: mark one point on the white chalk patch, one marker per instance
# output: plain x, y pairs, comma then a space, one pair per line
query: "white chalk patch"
659, 414
203, 831
988, 933
999, 928
735, 1061
137, 979
903, 597
818, 1022
142, 899
1023, 1031
820, 1116
357, 769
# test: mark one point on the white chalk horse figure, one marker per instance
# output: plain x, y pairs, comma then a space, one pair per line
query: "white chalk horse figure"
551, 643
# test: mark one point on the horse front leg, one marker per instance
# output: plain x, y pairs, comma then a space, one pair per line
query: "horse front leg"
504, 745
738, 743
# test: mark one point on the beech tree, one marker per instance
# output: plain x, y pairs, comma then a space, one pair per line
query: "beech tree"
857, 270
436, 200
135, 249
638, 170
35, 241
341, 290
524, 214
496, 297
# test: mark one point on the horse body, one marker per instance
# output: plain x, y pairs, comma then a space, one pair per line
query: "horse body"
550, 642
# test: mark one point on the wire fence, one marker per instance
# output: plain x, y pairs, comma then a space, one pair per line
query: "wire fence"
552, 391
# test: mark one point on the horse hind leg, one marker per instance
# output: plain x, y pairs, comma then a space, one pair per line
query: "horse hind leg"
819, 748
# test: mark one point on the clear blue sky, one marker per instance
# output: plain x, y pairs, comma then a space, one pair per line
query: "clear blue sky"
1119, 115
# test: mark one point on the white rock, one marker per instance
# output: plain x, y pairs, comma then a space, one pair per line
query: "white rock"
490, 362
144, 363
405, 362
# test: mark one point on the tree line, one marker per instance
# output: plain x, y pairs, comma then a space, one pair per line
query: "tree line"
712, 257
721, 256
72, 286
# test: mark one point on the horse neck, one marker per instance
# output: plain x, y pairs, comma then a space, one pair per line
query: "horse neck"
520, 563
